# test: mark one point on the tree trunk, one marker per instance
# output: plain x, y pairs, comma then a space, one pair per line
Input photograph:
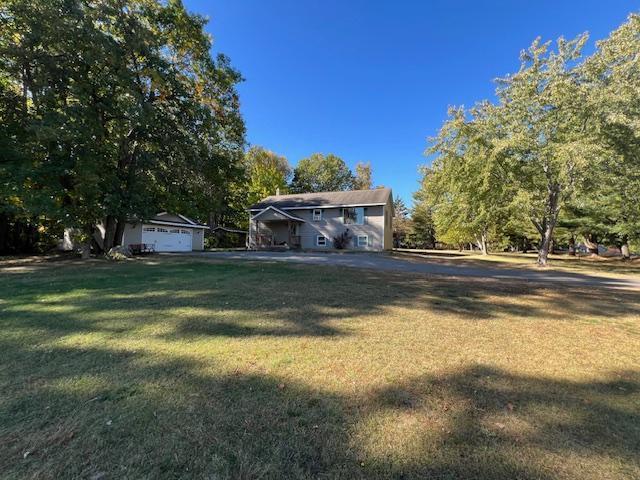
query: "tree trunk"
85, 250
548, 225
592, 244
482, 244
109, 233
545, 245
572, 246
4, 233
624, 249
119, 231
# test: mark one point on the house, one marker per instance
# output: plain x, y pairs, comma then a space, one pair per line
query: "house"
313, 220
167, 232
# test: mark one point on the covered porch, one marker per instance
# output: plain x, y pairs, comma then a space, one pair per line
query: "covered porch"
273, 228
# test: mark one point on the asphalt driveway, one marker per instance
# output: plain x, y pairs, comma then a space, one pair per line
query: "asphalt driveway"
419, 265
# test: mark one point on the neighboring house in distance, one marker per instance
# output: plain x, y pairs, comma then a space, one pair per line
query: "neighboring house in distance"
313, 220
167, 232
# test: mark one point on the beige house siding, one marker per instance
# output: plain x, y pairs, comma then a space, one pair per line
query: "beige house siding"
132, 234
197, 236
332, 225
279, 230
388, 226
274, 215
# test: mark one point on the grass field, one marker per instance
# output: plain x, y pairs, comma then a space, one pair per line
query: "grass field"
186, 368
588, 264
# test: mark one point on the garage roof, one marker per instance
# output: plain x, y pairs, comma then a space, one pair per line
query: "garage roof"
173, 220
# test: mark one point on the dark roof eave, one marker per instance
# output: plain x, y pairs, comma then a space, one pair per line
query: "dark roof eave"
348, 198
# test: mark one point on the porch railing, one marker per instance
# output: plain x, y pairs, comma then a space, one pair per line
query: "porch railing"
264, 240
257, 241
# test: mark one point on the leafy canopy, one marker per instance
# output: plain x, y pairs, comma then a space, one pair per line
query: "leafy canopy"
321, 173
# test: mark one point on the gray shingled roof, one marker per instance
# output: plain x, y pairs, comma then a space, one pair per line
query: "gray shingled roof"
378, 196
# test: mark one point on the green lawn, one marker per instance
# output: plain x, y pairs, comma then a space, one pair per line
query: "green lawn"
186, 368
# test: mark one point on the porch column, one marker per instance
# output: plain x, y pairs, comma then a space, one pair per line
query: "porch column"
289, 233
257, 234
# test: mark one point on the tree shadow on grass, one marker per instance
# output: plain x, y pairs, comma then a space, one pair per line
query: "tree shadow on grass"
203, 298
86, 412
500, 425
574, 272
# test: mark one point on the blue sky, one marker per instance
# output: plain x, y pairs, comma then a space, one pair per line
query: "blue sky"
372, 80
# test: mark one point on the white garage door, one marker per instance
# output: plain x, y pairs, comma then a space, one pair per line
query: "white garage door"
167, 239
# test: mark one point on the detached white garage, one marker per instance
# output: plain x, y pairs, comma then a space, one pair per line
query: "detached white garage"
167, 233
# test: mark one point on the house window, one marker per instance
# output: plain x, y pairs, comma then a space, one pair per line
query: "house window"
321, 241
317, 214
363, 240
164, 230
354, 215
149, 229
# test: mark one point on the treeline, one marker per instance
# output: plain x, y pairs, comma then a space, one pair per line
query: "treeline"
110, 110
267, 173
555, 159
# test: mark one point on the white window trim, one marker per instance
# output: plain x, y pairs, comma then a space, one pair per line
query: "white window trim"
366, 242
324, 239
317, 218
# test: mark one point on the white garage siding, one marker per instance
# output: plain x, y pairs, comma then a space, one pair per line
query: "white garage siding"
165, 238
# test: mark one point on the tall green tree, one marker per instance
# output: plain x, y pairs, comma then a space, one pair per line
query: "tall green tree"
467, 186
422, 230
401, 222
267, 173
545, 129
124, 111
612, 77
363, 179
560, 148
321, 173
